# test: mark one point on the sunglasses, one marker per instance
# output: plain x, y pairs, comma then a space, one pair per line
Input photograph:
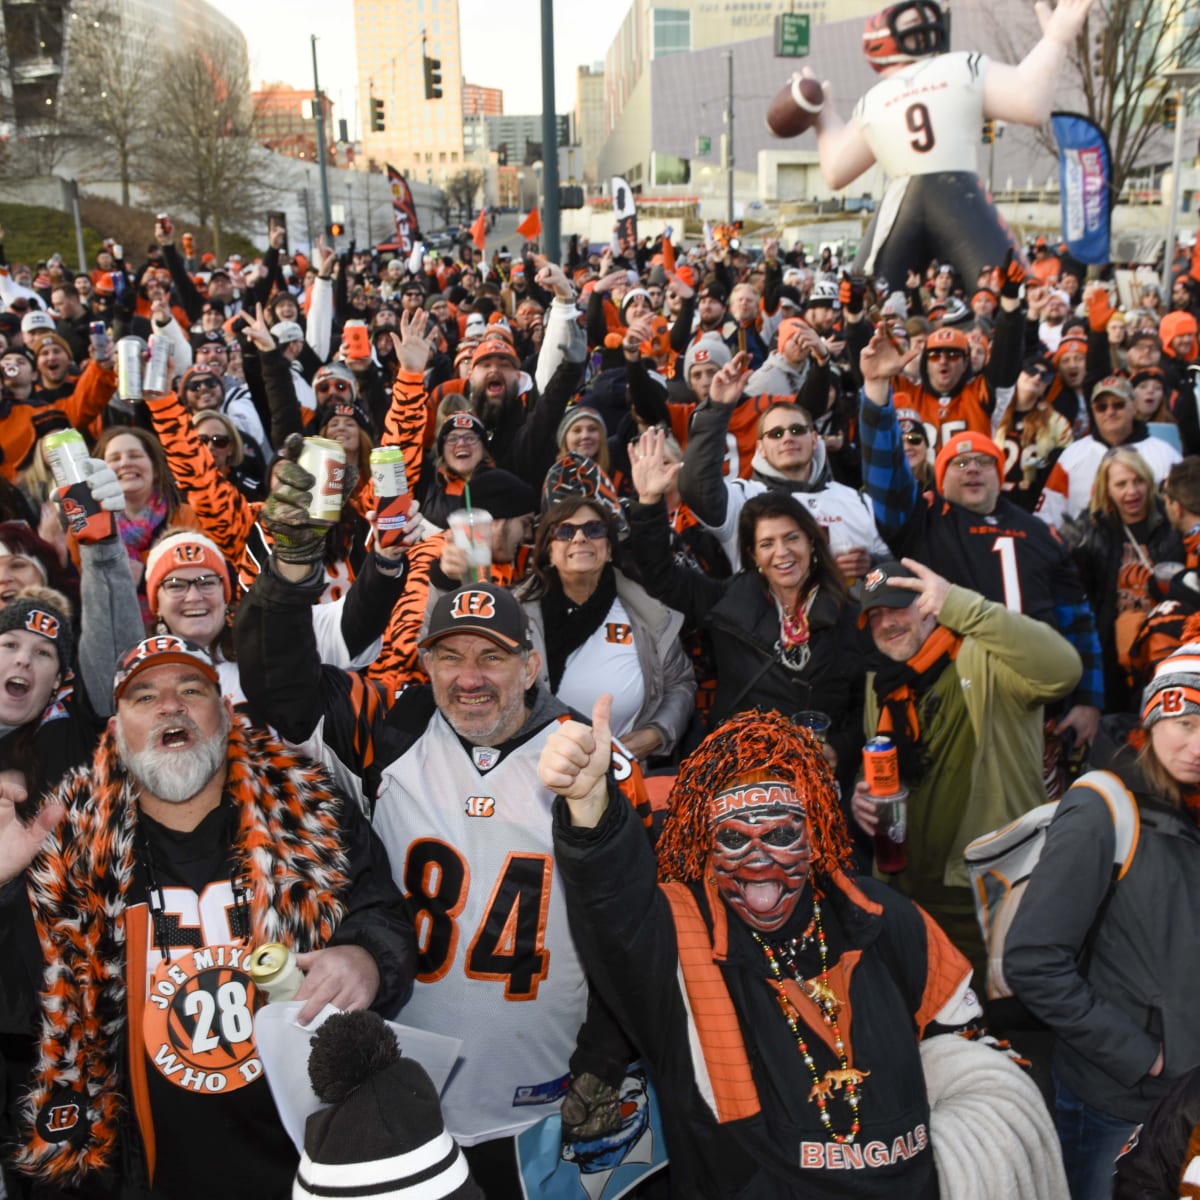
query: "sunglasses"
1102, 406
332, 385
947, 355
914, 439
219, 441
592, 530
196, 384
779, 430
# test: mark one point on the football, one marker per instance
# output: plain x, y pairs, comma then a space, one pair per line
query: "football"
795, 107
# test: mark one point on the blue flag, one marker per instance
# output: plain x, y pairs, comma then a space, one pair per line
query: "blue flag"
1085, 175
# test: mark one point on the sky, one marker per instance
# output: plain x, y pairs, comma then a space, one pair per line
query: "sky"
495, 53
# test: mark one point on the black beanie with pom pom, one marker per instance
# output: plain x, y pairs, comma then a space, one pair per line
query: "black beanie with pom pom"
383, 1134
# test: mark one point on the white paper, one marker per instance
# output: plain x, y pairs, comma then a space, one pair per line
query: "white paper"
283, 1047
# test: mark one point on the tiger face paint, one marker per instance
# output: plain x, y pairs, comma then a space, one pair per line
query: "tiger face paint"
761, 852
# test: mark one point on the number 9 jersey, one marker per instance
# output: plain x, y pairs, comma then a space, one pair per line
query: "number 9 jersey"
926, 118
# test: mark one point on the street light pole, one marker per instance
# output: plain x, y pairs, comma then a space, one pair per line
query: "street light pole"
1183, 79
551, 237
729, 134
320, 114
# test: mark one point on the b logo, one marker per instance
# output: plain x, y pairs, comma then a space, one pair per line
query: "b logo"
1172, 702
701, 356
480, 806
474, 604
62, 1117
462, 420
618, 634
188, 552
42, 622
874, 580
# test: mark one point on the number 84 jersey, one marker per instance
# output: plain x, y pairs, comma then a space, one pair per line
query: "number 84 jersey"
468, 833
926, 118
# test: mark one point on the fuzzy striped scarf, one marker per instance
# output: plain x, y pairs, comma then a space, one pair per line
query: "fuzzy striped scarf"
293, 861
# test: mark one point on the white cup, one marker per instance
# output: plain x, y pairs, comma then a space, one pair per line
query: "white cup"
471, 529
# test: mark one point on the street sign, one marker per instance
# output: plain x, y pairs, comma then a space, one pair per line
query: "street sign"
791, 35
703, 146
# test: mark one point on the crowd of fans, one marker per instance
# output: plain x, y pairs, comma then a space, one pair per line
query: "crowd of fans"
965, 516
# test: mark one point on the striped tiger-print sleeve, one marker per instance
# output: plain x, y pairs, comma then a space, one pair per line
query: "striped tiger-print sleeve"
224, 513
404, 422
399, 665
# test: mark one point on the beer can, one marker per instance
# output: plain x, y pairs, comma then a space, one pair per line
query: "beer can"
392, 499
130, 357
98, 337
157, 378
387, 471
274, 970
66, 452
881, 767
325, 461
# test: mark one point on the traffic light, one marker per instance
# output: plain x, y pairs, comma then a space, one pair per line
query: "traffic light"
989, 132
433, 78
377, 121
336, 229
1170, 111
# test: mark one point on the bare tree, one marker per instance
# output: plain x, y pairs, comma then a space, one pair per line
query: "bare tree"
1116, 72
107, 90
462, 188
205, 159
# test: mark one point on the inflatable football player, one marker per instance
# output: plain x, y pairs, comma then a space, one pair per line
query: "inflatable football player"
922, 123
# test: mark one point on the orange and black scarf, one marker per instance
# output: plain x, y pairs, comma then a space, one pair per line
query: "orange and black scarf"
899, 688
295, 867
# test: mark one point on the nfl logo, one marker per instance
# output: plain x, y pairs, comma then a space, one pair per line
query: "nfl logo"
485, 757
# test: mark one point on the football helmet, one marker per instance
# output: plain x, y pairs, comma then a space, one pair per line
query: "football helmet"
893, 36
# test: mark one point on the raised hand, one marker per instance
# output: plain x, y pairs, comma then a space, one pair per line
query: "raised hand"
575, 763
730, 381
930, 587
285, 514
20, 843
881, 361
653, 476
257, 329
412, 347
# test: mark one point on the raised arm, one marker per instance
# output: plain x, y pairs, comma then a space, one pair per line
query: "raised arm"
1024, 94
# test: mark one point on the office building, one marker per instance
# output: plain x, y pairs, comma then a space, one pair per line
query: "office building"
421, 137
590, 130
284, 121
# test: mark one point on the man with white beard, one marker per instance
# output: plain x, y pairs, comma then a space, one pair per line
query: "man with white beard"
151, 877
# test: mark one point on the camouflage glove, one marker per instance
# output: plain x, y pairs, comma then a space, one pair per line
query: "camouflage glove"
285, 514
590, 1109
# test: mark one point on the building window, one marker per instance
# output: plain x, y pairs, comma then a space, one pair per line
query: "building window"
672, 32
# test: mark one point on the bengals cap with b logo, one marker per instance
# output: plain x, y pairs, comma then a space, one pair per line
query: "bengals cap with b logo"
154, 652
483, 609
47, 613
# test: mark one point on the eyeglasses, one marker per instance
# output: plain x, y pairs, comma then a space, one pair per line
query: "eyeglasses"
462, 439
332, 385
219, 441
1102, 406
592, 530
914, 439
204, 584
946, 355
779, 430
964, 461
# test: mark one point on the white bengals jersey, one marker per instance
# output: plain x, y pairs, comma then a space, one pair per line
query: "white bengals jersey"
471, 846
926, 118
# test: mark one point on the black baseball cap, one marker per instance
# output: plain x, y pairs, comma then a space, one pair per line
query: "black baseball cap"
876, 590
484, 609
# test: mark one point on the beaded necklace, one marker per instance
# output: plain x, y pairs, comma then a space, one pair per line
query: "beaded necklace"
822, 995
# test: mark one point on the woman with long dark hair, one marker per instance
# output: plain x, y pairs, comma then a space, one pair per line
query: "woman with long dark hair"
783, 629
